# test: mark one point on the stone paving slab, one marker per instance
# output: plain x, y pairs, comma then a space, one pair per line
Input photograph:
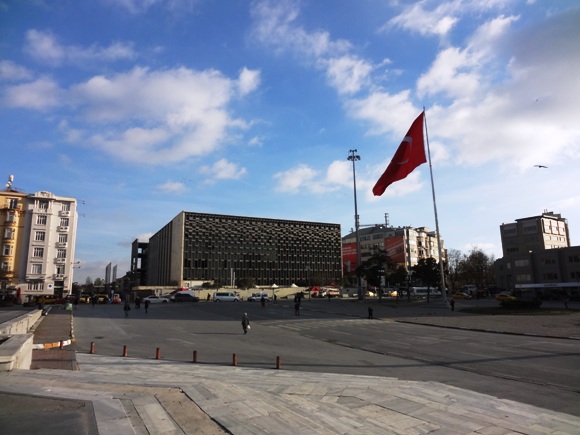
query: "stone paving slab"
243, 401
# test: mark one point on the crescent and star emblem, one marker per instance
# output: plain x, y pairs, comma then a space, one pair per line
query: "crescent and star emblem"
408, 139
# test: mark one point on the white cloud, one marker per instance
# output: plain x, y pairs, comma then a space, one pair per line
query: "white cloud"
142, 6
10, 71
348, 74
426, 22
223, 170
44, 46
248, 81
40, 94
171, 187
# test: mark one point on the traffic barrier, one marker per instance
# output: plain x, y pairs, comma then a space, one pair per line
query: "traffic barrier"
92, 347
125, 352
235, 360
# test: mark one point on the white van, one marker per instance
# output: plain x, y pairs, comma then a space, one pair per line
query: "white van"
421, 292
225, 297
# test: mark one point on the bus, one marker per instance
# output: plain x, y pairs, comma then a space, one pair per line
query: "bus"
422, 292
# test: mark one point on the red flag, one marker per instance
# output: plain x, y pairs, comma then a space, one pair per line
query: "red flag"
409, 155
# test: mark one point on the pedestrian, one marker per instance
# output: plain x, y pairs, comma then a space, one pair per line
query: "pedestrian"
146, 306
94, 300
137, 302
297, 308
275, 297
452, 304
127, 308
263, 301
208, 297
76, 302
370, 312
245, 323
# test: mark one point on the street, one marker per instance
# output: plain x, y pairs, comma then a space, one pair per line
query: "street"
535, 370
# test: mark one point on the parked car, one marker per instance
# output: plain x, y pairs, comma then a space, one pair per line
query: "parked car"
461, 295
257, 297
225, 297
184, 297
49, 300
155, 299
332, 292
505, 296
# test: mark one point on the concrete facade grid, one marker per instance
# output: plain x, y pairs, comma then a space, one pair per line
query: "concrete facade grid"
210, 247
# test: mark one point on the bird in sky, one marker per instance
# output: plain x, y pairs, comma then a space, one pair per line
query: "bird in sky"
540, 166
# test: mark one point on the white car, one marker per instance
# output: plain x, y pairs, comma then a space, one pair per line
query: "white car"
155, 300
257, 297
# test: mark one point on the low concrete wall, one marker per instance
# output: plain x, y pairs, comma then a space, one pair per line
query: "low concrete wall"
21, 324
16, 352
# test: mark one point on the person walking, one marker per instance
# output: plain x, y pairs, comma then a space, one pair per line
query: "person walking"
370, 312
297, 308
245, 323
146, 306
127, 308
452, 304
263, 301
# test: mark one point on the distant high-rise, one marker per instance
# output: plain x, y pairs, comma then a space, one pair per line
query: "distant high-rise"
537, 233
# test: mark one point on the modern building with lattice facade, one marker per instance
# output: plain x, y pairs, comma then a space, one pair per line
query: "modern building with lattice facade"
216, 248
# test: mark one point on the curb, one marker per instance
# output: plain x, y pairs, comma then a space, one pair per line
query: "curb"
61, 343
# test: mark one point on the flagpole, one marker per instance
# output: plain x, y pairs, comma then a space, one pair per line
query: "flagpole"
442, 269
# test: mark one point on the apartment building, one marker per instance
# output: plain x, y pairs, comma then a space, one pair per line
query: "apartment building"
196, 247
38, 245
538, 257
537, 233
404, 245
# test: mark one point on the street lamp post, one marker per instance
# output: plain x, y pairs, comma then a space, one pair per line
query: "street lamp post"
353, 157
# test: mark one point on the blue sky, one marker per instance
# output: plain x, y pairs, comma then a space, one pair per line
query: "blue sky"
143, 108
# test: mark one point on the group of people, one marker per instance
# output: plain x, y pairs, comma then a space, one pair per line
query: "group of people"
127, 306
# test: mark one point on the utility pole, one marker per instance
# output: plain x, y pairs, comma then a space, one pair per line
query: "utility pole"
353, 157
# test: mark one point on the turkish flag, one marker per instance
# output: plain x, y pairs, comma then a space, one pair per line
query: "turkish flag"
409, 155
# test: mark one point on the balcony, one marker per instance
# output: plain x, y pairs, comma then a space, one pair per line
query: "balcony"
61, 244
62, 229
58, 276
64, 213
60, 260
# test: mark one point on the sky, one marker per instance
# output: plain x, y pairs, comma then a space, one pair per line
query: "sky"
142, 109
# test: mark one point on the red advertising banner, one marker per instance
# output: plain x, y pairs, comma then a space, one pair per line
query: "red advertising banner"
395, 247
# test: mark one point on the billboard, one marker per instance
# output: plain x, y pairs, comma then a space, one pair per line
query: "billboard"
395, 247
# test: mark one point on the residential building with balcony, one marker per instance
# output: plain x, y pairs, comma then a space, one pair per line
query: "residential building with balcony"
12, 212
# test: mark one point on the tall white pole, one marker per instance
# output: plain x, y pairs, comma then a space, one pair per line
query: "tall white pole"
353, 157
440, 251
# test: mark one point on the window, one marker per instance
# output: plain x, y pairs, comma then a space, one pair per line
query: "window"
41, 219
5, 266
43, 205
521, 263
9, 233
39, 236
65, 206
13, 203
64, 222
10, 216
60, 270
63, 238
36, 268
38, 252
6, 249
574, 258
61, 253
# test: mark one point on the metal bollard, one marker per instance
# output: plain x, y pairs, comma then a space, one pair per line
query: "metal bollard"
158, 354
125, 352
92, 347
235, 360
195, 356
278, 363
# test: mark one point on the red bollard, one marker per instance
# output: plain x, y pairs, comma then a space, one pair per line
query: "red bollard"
158, 354
125, 352
61, 345
92, 347
195, 356
235, 360
278, 363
